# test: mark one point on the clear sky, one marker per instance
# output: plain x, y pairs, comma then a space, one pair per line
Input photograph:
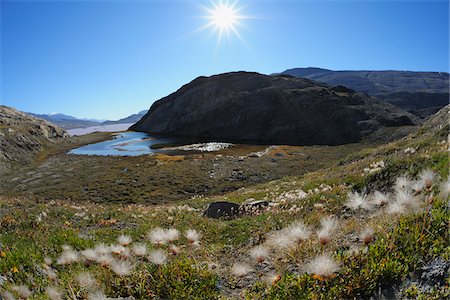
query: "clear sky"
109, 59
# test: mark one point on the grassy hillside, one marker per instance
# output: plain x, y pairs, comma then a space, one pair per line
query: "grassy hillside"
376, 243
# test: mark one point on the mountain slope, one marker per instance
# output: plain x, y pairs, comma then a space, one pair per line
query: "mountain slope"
244, 106
378, 82
422, 93
130, 119
22, 135
65, 121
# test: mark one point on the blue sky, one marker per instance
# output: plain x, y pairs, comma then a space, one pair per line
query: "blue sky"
109, 59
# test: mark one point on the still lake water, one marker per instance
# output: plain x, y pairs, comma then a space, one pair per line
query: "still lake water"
138, 143
123, 144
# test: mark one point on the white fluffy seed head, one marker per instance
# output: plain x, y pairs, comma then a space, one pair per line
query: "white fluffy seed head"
22, 291
240, 269
298, 232
174, 250
406, 198
121, 267
356, 201
328, 228
48, 261
102, 249
367, 235
139, 249
68, 256
97, 295
427, 176
445, 189
322, 265
172, 235
417, 186
193, 236
280, 240
396, 208
89, 254
117, 249
402, 183
86, 280
53, 293
259, 253
158, 257
124, 240
271, 279
380, 199
8, 296
157, 236
105, 260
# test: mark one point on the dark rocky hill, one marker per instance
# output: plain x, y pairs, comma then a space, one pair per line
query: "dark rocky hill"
421, 93
244, 106
22, 135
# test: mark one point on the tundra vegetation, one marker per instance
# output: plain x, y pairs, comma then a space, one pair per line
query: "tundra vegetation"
364, 225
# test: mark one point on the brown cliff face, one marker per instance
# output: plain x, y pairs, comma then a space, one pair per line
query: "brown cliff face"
22, 135
251, 107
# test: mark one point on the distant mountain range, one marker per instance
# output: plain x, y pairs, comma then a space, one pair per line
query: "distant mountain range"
70, 122
422, 93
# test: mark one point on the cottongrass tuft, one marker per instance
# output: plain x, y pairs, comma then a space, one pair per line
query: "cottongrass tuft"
427, 176
367, 235
157, 236
174, 250
329, 225
193, 236
68, 256
102, 249
8, 296
158, 257
298, 232
172, 235
280, 240
271, 279
380, 199
124, 240
408, 200
117, 249
259, 253
139, 249
89, 254
403, 182
121, 267
240, 269
105, 260
396, 208
23, 291
86, 280
445, 189
322, 266
53, 293
97, 295
356, 201
48, 261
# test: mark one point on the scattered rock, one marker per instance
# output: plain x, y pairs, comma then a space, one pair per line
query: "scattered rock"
254, 206
222, 209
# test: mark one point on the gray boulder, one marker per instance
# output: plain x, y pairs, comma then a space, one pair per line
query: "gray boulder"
222, 209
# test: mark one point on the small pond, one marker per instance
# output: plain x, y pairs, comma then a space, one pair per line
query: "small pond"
139, 143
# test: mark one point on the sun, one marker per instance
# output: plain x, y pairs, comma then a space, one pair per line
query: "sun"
224, 18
